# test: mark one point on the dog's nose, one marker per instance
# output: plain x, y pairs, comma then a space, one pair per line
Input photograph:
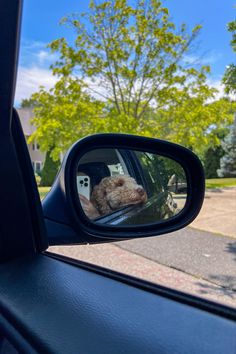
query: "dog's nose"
140, 191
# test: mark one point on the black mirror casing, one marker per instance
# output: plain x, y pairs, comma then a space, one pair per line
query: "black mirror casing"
67, 224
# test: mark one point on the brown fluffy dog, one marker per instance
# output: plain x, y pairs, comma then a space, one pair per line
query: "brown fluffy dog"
113, 193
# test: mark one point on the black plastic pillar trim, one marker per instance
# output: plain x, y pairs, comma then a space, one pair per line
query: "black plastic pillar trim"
16, 231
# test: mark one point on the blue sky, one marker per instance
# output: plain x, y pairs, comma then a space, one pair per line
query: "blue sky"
41, 25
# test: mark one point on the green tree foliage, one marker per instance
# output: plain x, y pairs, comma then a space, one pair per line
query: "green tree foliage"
228, 161
63, 115
133, 55
126, 72
28, 103
212, 161
192, 122
229, 78
49, 171
213, 153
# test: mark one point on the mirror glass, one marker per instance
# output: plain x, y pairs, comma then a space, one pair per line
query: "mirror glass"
128, 187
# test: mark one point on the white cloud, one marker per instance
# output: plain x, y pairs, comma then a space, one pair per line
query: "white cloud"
218, 85
42, 56
31, 45
34, 53
30, 79
33, 72
45, 57
203, 59
29, 51
220, 88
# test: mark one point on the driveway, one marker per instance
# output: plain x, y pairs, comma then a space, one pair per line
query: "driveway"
218, 214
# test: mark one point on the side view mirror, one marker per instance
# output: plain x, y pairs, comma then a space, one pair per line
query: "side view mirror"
117, 186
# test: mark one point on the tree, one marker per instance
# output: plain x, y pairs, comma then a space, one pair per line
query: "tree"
229, 78
132, 55
63, 115
49, 171
212, 161
28, 103
228, 161
125, 72
213, 153
192, 122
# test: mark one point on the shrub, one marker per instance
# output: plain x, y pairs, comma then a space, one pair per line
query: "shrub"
49, 171
211, 161
228, 161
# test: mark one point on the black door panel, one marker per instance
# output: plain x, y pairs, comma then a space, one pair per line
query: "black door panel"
61, 308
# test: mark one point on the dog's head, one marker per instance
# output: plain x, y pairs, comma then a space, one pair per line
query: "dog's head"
113, 193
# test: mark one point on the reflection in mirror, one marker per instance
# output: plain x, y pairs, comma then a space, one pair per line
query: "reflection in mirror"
127, 187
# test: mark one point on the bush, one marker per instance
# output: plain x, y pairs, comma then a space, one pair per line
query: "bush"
211, 161
38, 179
49, 171
228, 161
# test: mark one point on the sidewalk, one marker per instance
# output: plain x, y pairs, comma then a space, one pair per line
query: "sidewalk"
218, 213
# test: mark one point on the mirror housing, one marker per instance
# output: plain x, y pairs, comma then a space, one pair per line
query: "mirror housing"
64, 217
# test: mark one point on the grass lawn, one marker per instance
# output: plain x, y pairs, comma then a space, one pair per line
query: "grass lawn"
220, 182
43, 191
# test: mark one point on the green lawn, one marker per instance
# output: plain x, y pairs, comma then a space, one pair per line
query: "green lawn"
43, 191
220, 182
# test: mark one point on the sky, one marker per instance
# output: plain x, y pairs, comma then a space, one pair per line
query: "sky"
40, 26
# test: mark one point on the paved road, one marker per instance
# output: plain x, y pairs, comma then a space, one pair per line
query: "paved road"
199, 253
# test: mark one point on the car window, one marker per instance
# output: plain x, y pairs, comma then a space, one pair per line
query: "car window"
118, 168
128, 187
139, 67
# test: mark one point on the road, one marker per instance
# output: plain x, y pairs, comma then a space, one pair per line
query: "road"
202, 254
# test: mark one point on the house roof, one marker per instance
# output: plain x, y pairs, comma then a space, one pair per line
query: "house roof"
26, 114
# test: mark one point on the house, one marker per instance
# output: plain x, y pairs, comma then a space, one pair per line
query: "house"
37, 157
